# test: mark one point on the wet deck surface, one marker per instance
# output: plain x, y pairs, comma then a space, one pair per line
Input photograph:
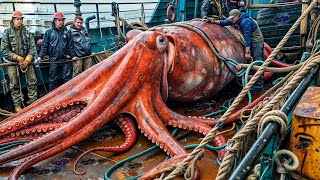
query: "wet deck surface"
97, 163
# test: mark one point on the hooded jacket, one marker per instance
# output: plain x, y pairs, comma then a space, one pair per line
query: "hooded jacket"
57, 44
249, 28
20, 42
80, 41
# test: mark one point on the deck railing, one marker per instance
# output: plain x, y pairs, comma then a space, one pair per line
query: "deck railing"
99, 11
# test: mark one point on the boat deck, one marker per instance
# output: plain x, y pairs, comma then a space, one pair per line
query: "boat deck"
97, 163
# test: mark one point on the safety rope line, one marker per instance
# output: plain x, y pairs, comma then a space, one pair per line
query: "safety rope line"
197, 30
224, 167
312, 36
236, 35
235, 142
60, 60
5, 113
143, 27
270, 91
272, 69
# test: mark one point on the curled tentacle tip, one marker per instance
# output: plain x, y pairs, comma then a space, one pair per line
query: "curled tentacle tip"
80, 171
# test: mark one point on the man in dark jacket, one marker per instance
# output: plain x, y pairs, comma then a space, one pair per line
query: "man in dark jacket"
213, 9
57, 45
82, 46
253, 38
17, 45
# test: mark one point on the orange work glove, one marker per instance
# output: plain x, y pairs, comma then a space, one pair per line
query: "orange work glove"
26, 62
28, 59
17, 58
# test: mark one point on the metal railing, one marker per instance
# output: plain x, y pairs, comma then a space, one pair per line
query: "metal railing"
96, 12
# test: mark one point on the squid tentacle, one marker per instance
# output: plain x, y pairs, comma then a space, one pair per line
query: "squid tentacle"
31, 133
64, 114
153, 128
67, 143
113, 90
34, 113
176, 120
127, 125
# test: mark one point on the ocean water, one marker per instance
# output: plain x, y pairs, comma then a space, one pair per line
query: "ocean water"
130, 12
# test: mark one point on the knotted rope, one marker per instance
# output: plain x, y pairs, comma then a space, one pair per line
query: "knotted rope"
256, 173
227, 161
5, 113
277, 117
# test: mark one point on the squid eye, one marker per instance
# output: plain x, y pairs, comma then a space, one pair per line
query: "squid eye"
161, 43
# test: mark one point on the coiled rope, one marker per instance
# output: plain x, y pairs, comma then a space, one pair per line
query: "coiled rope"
274, 116
227, 161
286, 165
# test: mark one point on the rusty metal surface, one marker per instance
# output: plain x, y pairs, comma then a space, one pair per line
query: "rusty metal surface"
305, 139
309, 105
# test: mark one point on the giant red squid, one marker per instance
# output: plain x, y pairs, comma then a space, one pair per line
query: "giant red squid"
133, 84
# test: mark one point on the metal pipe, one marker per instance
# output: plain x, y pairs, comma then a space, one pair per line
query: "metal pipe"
98, 18
196, 5
13, 7
304, 25
77, 4
270, 131
88, 19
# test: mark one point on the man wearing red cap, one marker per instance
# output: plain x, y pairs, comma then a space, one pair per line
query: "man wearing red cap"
57, 45
17, 45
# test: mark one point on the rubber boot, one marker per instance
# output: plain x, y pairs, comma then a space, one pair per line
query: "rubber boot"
17, 108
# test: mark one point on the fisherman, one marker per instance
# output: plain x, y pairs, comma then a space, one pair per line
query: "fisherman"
82, 46
253, 38
57, 44
213, 9
17, 45
241, 6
